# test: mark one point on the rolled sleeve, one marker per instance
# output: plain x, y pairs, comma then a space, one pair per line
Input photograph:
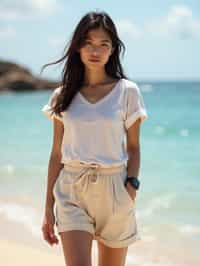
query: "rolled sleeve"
135, 107
47, 108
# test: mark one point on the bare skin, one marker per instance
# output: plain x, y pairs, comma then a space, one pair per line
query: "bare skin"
77, 247
111, 256
77, 244
54, 168
78, 254
94, 95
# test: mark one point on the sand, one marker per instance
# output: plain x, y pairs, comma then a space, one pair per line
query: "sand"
18, 247
13, 253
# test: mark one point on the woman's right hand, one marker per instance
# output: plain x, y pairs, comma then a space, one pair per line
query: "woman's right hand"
48, 227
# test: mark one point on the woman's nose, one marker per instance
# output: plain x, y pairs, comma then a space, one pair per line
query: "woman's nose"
95, 51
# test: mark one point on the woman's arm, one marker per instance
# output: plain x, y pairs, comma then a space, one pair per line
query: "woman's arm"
133, 149
55, 164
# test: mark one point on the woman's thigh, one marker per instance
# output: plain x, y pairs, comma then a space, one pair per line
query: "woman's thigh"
108, 256
77, 246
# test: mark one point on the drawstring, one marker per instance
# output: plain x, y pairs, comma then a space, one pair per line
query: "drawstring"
83, 179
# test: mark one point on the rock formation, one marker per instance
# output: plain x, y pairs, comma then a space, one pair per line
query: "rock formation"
14, 77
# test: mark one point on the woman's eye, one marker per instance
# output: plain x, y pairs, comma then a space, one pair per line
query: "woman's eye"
86, 42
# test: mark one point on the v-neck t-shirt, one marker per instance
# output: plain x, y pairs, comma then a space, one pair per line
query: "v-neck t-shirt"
96, 132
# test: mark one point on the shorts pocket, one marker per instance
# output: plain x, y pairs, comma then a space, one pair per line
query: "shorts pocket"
122, 201
126, 192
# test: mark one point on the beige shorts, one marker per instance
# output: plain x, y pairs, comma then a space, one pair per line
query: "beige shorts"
93, 198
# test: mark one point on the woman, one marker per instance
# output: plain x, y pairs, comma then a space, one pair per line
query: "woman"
96, 114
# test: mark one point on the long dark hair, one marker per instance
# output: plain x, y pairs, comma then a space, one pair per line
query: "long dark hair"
73, 71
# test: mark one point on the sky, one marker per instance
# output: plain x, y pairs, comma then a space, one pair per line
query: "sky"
162, 38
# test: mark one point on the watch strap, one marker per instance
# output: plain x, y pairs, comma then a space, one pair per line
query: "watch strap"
134, 181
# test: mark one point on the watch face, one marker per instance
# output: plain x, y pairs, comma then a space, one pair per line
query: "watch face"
135, 183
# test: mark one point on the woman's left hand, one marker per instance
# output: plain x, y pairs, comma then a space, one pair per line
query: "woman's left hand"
131, 190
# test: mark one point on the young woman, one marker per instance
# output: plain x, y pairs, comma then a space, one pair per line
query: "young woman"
96, 113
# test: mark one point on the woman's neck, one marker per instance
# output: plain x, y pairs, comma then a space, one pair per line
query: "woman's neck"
94, 78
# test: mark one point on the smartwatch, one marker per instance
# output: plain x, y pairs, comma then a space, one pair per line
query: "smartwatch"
134, 181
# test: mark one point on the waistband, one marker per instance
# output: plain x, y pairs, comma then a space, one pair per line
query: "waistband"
77, 166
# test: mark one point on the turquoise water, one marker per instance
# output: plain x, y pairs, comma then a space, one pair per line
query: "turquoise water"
168, 202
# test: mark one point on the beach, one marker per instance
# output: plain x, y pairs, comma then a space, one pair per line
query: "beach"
22, 244
14, 253
19, 253
167, 205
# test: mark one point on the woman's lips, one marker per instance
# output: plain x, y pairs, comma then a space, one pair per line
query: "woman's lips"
94, 60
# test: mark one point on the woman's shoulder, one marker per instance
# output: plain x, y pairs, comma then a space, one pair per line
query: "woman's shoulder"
54, 94
57, 90
130, 85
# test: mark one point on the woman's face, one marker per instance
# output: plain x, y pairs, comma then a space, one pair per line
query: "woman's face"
96, 48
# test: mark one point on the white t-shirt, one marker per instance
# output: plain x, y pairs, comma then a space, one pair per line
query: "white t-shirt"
96, 132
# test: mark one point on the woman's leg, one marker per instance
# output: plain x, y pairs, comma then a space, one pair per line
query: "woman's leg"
108, 256
77, 246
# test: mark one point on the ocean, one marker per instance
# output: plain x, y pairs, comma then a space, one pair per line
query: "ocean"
167, 205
